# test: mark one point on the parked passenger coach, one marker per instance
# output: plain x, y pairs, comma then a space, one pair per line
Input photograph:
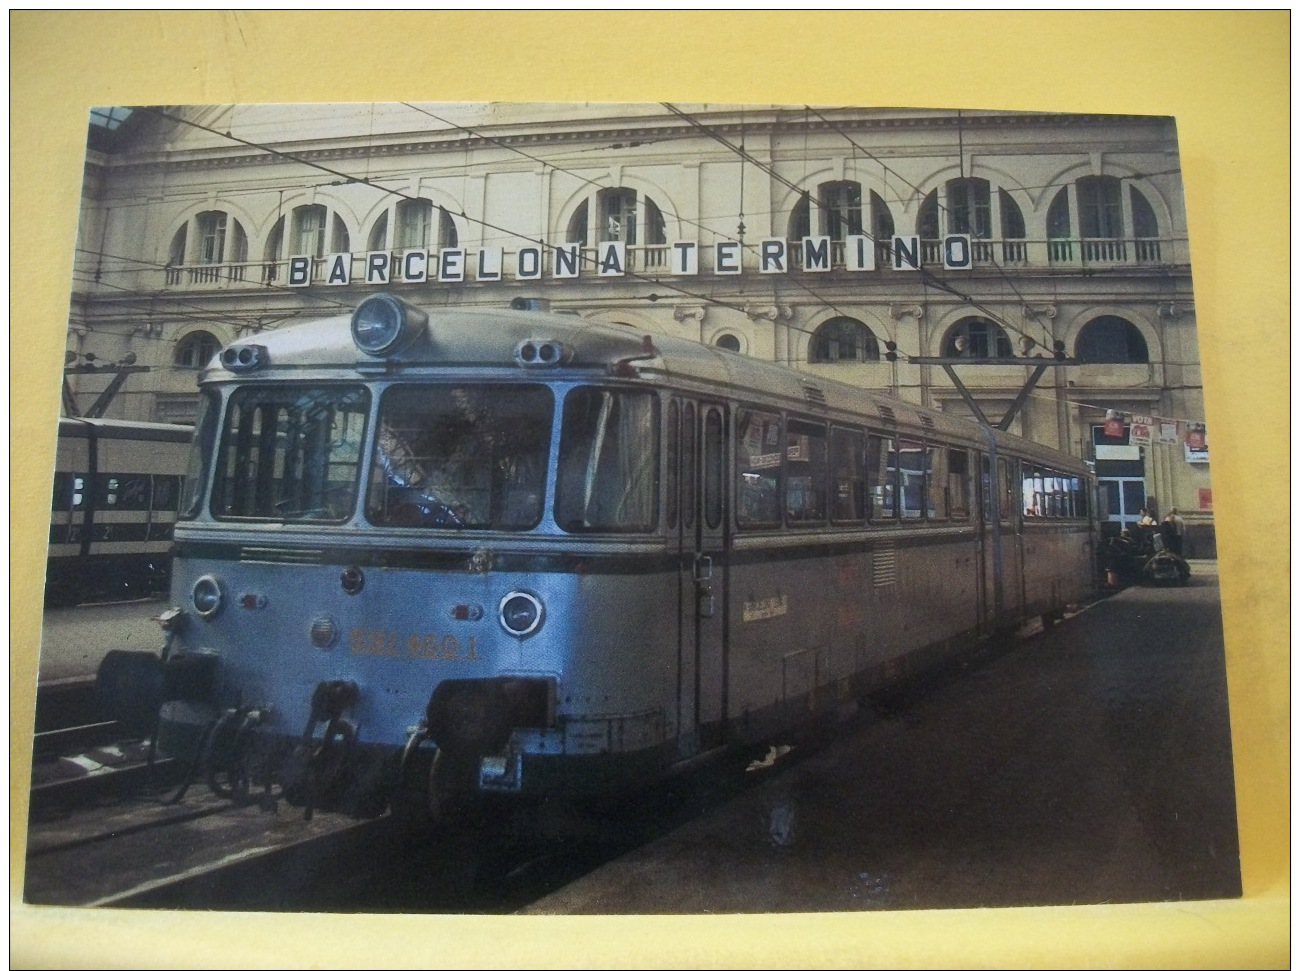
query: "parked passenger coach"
116, 485
476, 552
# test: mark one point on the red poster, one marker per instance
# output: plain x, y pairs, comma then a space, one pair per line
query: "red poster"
1206, 499
1114, 428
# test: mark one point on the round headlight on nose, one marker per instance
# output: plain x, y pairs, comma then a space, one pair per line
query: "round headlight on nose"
383, 324
207, 596
521, 613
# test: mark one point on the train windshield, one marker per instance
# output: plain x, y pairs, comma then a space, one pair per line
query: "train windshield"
609, 461
461, 457
291, 453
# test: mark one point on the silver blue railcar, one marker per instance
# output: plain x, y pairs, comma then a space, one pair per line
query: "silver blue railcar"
476, 552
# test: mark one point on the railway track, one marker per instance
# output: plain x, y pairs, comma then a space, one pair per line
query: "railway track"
107, 830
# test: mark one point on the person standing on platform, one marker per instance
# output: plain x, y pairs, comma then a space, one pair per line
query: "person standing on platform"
1171, 531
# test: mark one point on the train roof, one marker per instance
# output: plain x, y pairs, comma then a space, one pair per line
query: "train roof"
489, 338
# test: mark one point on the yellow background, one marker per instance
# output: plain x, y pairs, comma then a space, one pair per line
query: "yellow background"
1223, 75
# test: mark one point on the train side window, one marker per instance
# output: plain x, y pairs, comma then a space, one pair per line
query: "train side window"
958, 489
1033, 491
688, 466
713, 459
848, 476
759, 453
672, 465
67, 491
911, 471
936, 483
609, 461
125, 492
986, 486
201, 452
166, 492
882, 478
1007, 494
805, 483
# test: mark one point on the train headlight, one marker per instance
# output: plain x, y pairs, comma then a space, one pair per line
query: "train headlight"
383, 324
207, 596
521, 613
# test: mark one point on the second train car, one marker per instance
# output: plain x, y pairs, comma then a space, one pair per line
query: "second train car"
116, 485
473, 553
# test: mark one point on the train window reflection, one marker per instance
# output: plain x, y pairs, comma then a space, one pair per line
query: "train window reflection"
936, 483
461, 457
290, 453
196, 472
882, 477
910, 461
759, 451
848, 496
609, 461
805, 486
958, 491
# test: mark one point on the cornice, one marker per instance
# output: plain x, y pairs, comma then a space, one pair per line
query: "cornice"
767, 122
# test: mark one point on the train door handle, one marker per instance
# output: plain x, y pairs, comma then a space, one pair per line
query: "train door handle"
704, 585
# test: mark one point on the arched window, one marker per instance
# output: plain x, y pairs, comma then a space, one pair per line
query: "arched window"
728, 342
1100, 214
309, 231
378, 238
840, 213
617, 220
577, 228
1104, 228
196, 350
843, 339
927, 217
976, 337
1013, 221
969, 209
218, 239
1111, 340
420, 225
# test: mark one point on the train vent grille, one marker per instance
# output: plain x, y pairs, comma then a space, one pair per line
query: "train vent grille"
260, 554
926, 420
884, 565
814, 395
887, 412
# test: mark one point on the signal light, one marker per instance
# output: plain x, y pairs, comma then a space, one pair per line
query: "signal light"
1058, 350
891, 351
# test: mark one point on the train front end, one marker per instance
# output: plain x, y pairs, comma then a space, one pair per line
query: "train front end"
372, 594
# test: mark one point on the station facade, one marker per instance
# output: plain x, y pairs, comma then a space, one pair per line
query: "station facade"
847, 243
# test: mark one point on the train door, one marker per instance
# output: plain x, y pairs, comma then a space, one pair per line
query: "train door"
985, 564
1013, 541
701, 514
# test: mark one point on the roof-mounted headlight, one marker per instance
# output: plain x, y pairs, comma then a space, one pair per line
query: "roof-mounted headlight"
540, 353
384, 324
244, 357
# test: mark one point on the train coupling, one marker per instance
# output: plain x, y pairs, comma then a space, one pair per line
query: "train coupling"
501, 773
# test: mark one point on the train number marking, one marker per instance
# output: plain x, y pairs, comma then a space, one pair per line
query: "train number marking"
766, 609
429, 647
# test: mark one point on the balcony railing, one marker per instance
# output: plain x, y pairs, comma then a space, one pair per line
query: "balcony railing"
659, 259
